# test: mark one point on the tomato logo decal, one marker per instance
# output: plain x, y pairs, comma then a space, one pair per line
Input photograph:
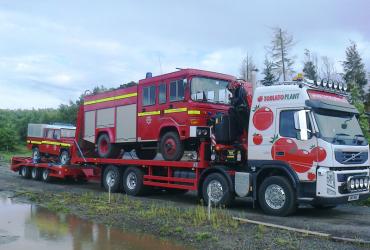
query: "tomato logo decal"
257, 139
318, 153
260, 99
262, 118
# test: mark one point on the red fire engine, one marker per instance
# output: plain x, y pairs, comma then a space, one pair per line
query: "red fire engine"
169, 112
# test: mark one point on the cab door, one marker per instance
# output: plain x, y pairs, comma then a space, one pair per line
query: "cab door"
299, 153
148, 113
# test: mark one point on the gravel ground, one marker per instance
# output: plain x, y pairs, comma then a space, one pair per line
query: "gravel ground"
344, 221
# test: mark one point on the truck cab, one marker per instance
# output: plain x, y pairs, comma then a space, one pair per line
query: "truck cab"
308, 135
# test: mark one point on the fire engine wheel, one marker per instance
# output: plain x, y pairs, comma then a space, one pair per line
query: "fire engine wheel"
276, 196
45, 175
146, 154
216, 189
25, 172
133, 181
171, 146
112, 179
35, 174
64, 157
36, 156
105, 148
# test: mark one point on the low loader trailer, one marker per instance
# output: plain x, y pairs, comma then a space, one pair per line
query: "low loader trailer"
293, 143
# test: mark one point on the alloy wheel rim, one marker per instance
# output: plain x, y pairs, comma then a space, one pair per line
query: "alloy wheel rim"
275, 196
131, 181
215, 191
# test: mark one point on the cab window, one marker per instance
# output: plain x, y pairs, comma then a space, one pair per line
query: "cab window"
177, 90
50, 133
287, 127
57, 134
162, 93
148, 96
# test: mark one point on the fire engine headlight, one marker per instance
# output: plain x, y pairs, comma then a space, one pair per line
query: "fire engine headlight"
366, 182
361, 183
199, 132
352, 183
357, 183
205, 132
330, 179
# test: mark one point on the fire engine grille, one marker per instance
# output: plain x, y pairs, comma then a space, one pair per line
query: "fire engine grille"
351, 157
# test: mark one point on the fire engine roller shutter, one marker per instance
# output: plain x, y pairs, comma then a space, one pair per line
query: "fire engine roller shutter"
126, 123
89, 126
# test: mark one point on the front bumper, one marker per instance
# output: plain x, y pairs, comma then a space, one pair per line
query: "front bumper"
337, 200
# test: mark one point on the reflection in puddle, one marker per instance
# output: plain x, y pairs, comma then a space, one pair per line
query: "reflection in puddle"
25, 226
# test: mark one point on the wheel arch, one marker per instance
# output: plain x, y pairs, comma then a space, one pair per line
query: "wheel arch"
108, 131
167, 128
216, 169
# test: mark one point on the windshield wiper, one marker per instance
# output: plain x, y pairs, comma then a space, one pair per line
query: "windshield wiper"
339, 137
359, 139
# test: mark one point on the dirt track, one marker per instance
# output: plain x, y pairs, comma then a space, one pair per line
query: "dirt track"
344, 221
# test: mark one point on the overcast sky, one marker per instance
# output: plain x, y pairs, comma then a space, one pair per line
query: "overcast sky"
52, 51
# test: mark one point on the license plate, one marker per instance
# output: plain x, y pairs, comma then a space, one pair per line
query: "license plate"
353, 197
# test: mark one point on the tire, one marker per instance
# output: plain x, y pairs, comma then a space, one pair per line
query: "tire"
171, 147
25, 172
35, 174
222, 195
133, 182
36, 156
146, 154
273, 188
112, 177
105, 148
45, 175
64, 158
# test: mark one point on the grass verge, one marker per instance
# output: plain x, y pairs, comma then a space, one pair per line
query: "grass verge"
20, 150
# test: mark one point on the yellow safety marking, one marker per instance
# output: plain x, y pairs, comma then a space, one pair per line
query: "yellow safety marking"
193, 112
169, 111
149, 113
112, 98
51, 143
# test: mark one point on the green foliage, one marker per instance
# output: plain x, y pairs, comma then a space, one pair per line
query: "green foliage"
356, 100
269, 77
354, 69
309, 68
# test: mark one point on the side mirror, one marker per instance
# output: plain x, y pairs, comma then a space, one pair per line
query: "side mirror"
300, 123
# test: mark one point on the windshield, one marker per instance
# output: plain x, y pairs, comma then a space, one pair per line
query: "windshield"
68, 133
210, 90
339, 127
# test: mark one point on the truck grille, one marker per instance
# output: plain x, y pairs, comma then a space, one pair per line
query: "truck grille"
344, 177
351, 157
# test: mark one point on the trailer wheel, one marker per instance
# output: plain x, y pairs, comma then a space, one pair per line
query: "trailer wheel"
146, 154
64, 157
133, 181
25, 172
276, 196
36, 156
35, 174
45, 175
105, 148
171, 146
112, 178
216, 189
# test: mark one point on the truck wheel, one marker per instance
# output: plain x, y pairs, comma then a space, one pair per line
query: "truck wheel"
25, 172
64, 158
36, 156
105, 148
133, 181
171, 146
216, 189
146, 154
35, 174
276, 196
45, 175
112, 178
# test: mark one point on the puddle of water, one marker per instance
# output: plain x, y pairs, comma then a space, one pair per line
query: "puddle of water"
26, 226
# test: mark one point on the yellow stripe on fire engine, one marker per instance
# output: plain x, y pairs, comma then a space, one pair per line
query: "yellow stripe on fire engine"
193, 112
35, 142
169, 111
112, 98
54, 143
149, 113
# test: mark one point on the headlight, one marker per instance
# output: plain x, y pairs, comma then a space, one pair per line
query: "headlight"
361, 183
357, 183
330, 179
366, 182
352, 184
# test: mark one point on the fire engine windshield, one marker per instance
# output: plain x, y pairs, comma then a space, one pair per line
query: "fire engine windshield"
339, 127
67, 133
210, 90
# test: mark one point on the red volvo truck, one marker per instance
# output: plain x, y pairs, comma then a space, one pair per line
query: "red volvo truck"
283, 145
